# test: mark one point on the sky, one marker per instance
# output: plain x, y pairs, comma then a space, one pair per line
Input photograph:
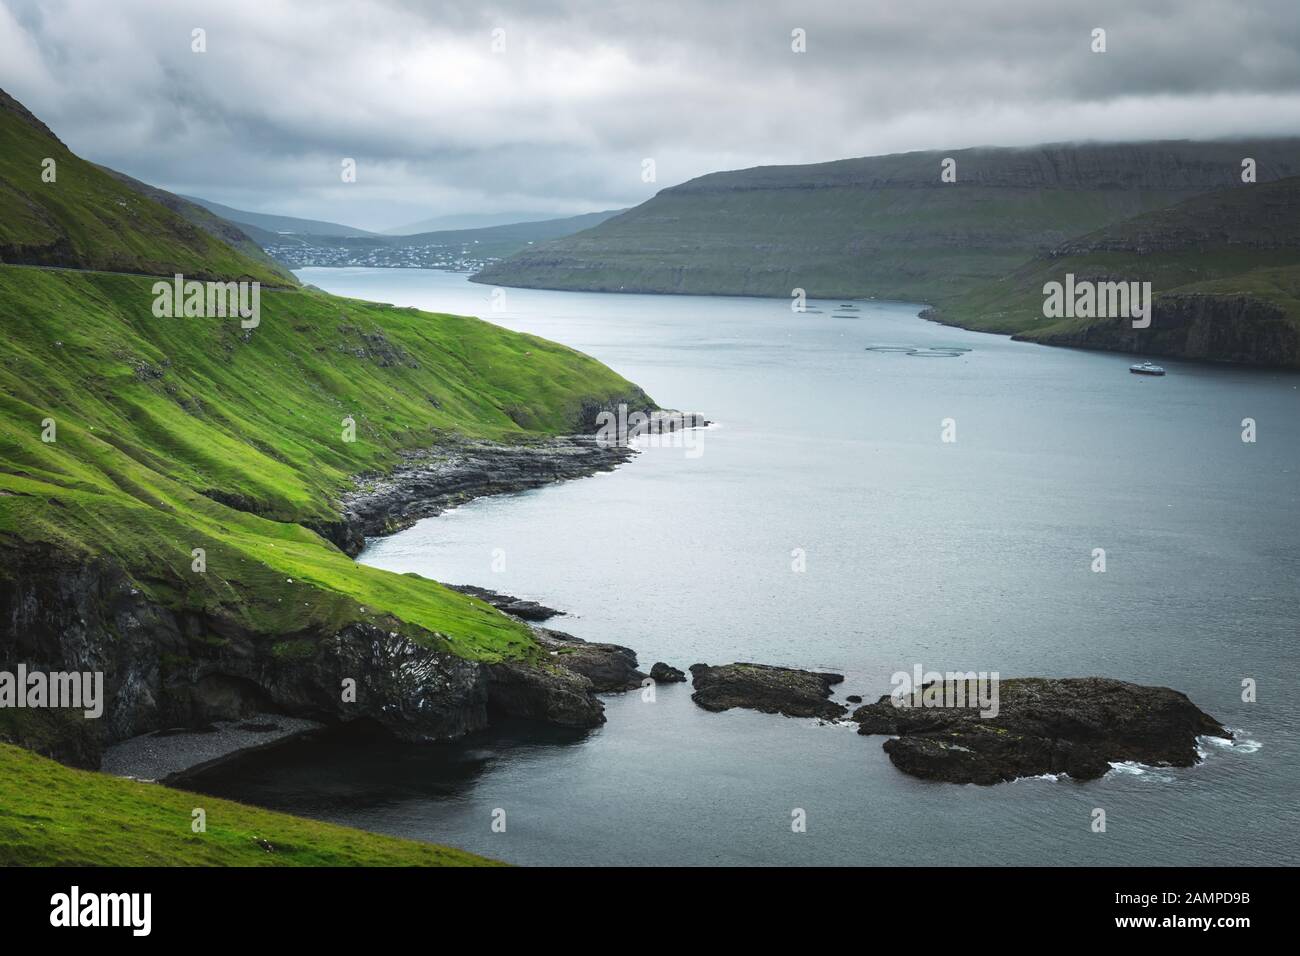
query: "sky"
539, 108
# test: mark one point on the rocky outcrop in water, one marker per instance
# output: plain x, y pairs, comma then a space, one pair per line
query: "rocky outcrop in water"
772, 690
665, 674
1076, 726
545, 691
609, 667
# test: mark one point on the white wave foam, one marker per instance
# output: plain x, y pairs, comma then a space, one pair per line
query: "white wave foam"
1134, 769
1238, 744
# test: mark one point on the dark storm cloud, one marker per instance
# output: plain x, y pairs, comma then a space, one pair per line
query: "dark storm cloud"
560, 120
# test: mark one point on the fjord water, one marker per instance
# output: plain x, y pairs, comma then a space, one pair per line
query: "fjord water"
973, 555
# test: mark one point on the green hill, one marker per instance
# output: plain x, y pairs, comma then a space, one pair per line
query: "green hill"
51, 815
129, 443
883, 226
210, 222
1225, 275
89, 219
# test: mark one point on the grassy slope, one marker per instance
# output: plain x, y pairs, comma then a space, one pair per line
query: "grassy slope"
222, 229
51, 815
159, 420
89, 219
882, 226
1242, 242
152, 412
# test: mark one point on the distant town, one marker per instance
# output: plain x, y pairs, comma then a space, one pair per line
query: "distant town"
302, 253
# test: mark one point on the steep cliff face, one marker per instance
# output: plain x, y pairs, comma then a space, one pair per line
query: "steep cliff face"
1241, 329
164, 668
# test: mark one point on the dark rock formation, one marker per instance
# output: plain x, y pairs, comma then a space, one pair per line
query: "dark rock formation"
772, 690
1237, 328
169, 667
166, 668
506, 604
665, 674
609, 667
1077, 726
854, 699
558, 684
542, 690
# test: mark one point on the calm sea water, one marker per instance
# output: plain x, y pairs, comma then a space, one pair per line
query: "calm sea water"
972, 555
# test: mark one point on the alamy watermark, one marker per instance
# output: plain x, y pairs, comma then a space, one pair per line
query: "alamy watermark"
57, 689
191, 298
133, 911
1085, 299
951, 689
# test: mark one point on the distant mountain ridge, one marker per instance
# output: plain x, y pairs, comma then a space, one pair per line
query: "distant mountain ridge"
446, 223
267, 228
883, 226
1158, 164
275, 224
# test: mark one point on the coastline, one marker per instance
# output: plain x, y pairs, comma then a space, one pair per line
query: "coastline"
1191, 319
432, 481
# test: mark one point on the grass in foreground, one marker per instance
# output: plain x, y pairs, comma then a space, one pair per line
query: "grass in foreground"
51, 815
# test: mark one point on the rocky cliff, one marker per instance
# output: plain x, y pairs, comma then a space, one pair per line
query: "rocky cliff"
168, 668
1242, 329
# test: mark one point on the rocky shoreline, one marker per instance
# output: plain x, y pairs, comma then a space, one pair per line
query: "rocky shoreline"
168, 668
170, 756
236, 694
431, 481
516, 607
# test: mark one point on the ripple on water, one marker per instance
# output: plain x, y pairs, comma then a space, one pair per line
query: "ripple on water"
919, 351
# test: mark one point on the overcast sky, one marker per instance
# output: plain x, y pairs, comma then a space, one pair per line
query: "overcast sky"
559, 121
